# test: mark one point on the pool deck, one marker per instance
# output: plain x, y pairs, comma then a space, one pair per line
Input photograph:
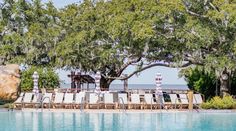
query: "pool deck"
127, 111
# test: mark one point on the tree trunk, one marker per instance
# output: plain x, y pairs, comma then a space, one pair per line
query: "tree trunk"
217, 87
224, 83
105, 83
230, 83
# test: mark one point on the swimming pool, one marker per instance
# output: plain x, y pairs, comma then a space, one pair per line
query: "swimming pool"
59, 121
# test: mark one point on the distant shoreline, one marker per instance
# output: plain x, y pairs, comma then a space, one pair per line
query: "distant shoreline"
135, 86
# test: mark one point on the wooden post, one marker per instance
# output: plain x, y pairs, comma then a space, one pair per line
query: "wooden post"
87, 86
72, 76
78, 81
190, 98
126, 83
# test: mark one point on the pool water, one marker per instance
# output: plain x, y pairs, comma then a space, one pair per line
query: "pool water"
59, 121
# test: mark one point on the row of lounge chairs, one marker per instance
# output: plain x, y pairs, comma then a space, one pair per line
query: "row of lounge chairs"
47, 99
108, 100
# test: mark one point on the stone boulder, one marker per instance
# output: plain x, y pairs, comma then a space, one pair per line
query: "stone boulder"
9, 82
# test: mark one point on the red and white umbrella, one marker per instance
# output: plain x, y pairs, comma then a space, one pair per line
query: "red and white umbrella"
35, 77
158, 84
97, 82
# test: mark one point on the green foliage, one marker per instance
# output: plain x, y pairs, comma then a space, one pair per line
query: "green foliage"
216, 102
47, 78
200, 81
111, 35
28, 31
233, 85
8, 105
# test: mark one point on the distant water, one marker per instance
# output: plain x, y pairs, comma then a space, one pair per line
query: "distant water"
136, 86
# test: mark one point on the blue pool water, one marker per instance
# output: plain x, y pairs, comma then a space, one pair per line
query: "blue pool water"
48, 121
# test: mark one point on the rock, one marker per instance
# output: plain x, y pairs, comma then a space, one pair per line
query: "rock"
9, 82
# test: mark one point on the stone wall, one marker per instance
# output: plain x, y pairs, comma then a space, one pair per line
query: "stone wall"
9, 82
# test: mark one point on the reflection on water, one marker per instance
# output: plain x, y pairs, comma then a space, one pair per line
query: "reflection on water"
48, 121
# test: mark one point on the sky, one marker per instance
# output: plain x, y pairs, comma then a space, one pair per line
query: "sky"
170, 75
62, 3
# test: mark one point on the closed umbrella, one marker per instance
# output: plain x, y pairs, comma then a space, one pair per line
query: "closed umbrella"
35, 77
97, 82
158, 84
159, 92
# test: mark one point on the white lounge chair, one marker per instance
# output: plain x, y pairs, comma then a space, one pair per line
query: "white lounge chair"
93, 100
166, 101
19, 99
174, 100
108, 100
47, 99
68, 100
160, 101
18, 102
197, 99
122, 99
27, 99
58, 99
37, 100
149, 100
79, 98
184, 100
135, 100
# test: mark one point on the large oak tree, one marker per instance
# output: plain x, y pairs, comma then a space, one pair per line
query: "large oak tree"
110, 36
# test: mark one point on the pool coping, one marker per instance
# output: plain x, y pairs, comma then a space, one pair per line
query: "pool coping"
127, 111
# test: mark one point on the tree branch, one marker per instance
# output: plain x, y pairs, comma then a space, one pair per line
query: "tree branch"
145, 50
195, 14
147, 67
124, 66
214, 7
191, 12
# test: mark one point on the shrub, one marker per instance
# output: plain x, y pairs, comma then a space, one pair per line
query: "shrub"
216, 102
8, 105
47, 78
206, 105
200, 80
228, 102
